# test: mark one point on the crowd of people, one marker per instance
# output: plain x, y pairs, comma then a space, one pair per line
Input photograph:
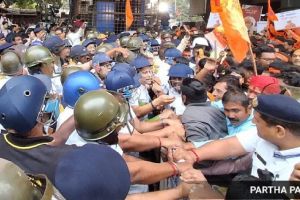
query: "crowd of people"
90, 115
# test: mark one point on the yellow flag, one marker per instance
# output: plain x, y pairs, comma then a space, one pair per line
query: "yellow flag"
235, 29
129, 15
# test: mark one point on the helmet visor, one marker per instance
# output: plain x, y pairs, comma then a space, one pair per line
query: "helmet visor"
49, 111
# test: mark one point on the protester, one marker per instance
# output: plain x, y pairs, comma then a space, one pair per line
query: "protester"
211, 124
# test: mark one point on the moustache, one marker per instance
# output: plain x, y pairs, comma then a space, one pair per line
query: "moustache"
233, 119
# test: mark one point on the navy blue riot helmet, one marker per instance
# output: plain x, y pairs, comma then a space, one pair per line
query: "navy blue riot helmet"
140, 62
87, 42
154, 46
100, 58
124, 67
171, 54
121, 82
21, 100
144, 37
99, 173
77, 84
180, 70
54, 44
177, 73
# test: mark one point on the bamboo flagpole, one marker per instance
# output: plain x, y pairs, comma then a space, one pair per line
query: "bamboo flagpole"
253, 59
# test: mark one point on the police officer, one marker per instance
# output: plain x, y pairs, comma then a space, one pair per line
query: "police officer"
176, 75
141, 101
79, 54
67, 71
40, 36
21, 107
102, 64
76, 84
169, 56
60, 49
123, 41
136, 45
122, 81
90, 46
107, 128
10, 66
104, 48
275, 145
39, 60
19, 186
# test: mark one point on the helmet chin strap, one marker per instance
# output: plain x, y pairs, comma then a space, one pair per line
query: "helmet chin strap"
131, 117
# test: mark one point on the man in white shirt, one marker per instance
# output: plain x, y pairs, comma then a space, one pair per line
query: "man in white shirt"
275, 146
140, 100
76, 32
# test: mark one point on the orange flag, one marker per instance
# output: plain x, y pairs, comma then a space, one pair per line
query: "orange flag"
271, 32
215, 6
271, 15
235, 30
129, 15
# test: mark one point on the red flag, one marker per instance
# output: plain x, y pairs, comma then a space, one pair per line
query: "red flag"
128, 15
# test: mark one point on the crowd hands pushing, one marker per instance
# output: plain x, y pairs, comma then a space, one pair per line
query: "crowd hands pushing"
90, 115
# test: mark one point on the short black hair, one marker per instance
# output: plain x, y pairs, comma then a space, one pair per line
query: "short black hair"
35, 69
202, 62
194, 90
59, 29
209, 81
264, 49
230, 80
248, 65
294, 128
291, 78
236, 96
15, 35
182, 60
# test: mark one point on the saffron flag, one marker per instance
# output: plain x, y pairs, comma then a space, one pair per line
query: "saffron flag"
271, 15
271, 32
129, 15
215, 6
235, 29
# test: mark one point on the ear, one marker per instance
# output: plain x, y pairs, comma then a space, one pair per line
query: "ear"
249, 109
43, 67
280, 132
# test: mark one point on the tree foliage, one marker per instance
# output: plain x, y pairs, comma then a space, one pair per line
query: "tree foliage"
31, 4
182, 10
